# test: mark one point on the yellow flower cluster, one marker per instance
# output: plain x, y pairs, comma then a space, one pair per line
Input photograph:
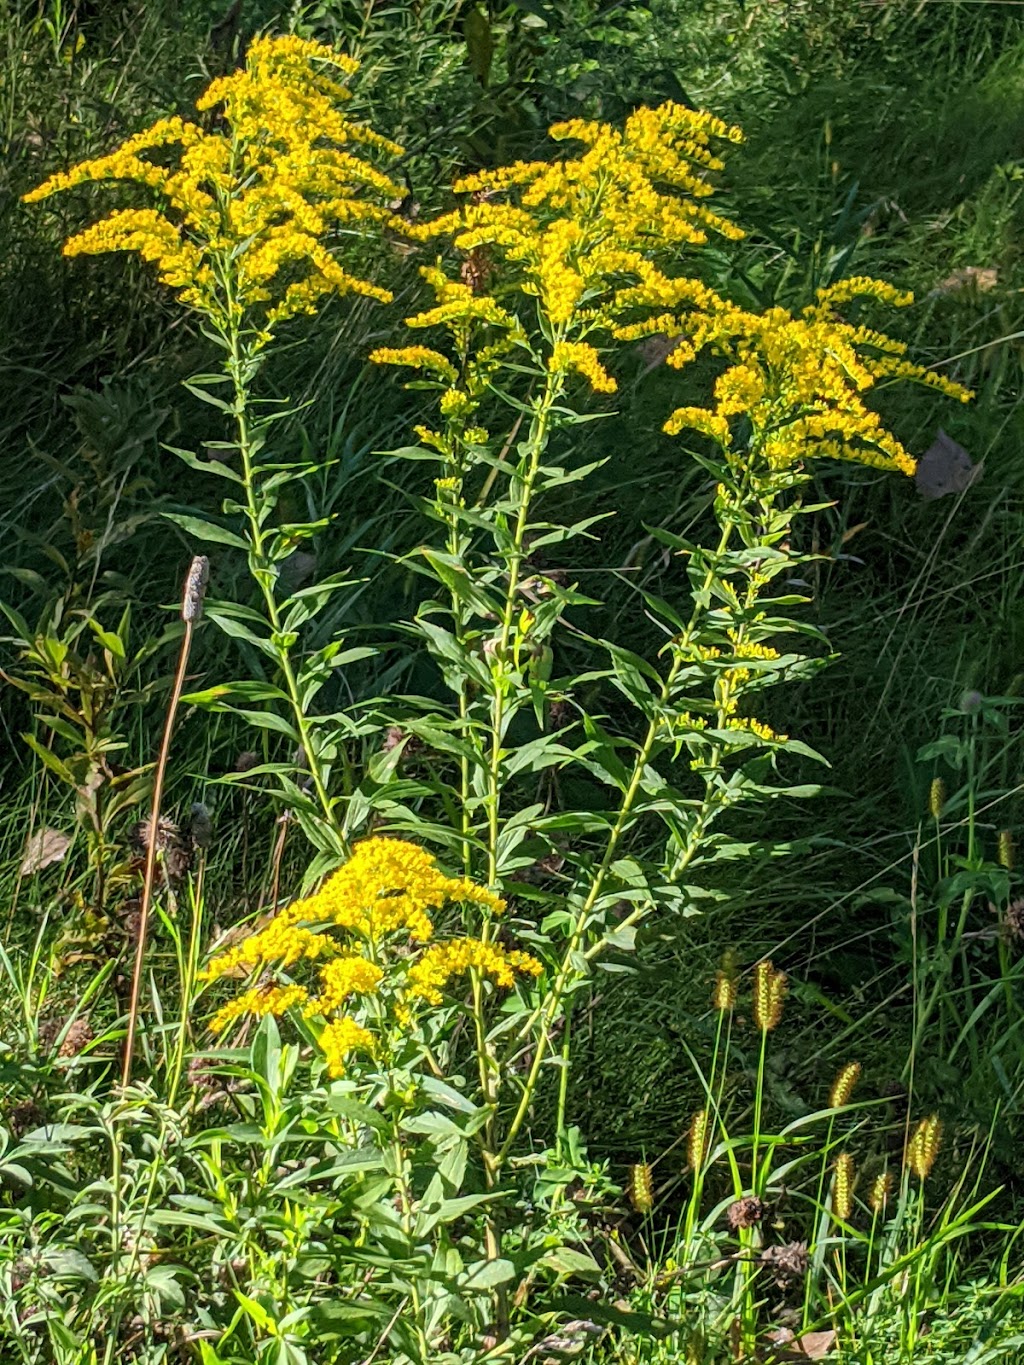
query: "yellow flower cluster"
341, 978
747, 649
417, 358
584, 359
388, 887
461, 312
579, 235
573, 228
799, 380
276, 1000
338, 1038
442, 961
749, 726
246, 211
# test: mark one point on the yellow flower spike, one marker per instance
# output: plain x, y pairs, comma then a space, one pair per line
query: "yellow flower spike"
698, 1140
881, 1190
842, 1187
769, 993
923, 1147
641, 1187
252, 204
724, 995
1006, 849
843, 1085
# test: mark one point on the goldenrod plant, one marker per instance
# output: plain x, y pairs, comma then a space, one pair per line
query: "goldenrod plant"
554, 264
244, 233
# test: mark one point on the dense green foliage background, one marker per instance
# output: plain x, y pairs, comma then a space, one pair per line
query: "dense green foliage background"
882, 138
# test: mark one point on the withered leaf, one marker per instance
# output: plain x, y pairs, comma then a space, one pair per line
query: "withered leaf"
944, 468
816, 1345
979, 277
655, 350
43, 848
809, 1346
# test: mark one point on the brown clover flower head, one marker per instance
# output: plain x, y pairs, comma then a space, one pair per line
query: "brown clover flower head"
746, 1212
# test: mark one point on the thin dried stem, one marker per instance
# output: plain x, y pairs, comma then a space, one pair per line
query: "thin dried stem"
191, 612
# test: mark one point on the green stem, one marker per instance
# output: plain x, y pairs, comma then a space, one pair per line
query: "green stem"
262, 571
398, 1156
536, 444
758, 1103
545, 1013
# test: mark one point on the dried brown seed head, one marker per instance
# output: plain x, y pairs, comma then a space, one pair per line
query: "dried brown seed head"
746, 1212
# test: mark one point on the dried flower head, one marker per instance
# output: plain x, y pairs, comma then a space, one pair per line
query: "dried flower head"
746, 1212
174, 849
167, 834
843, 1085
200, 825
923, 1147
769, 993
1013, 921
842, 1187
881, 1190
787, 1263
937, 798
195, 589
641, 1187
23, 1116
77, 1039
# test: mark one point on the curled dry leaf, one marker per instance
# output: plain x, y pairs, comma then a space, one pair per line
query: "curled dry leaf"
44, 847
655, 350
809, 1346
944, 468
977, 277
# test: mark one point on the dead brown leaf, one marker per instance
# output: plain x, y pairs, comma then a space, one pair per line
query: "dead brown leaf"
809, 1346
45, 847
944, 468
655, 350
977, 277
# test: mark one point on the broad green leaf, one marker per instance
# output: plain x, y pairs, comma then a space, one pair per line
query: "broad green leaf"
207, 530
